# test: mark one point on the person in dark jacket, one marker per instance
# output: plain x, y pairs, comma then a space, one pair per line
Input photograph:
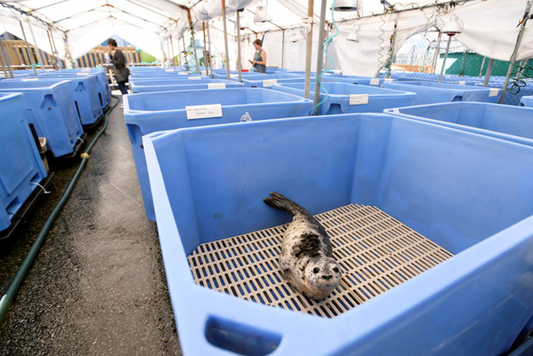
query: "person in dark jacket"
119, 65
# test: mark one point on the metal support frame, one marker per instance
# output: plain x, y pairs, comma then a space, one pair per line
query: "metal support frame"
516, 47
225, 37
35, 46
308, 50
30, 55
56, 53
437, 53
193, 42
445, 58
320, 55
179, 53
482, 66
185, 54
282, 48
5, 59
239, 64
172, 49
210, 51
55, 64
205, 50
167, 41
488, 72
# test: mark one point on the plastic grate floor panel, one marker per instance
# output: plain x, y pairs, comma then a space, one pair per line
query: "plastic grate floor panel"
376, 251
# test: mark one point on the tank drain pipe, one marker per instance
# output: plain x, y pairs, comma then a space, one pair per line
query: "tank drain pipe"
9, 296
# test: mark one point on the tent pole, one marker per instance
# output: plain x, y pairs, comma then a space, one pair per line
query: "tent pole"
437, 52
320, 55
225, 36
168, 50
52, 48
193, 42
56, 53
282, 48
35, 45
308, 49
172, 49
5, 58
30, 55
179, 53
210, 51
185, 53
445, 57
205, 50
482, 66
515, 51
488, 72
239, 46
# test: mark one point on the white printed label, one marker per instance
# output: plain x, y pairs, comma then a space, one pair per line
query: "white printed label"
374, 81
358, 99
169, 70
183, 73
82, 73
86, 70
269, 82
388, 80
204, 72
216, 85
195, 78
326, 74
203, 111
494, 92
30, 80
336, 71
462, 82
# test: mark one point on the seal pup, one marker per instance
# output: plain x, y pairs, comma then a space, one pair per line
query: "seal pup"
306, 253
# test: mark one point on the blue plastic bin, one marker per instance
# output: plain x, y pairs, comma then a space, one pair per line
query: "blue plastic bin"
85, 93
430, 93
21, 167
50, 107
104, 90
149, 112
463, 191
348, 98
527, 101
142, 86
506, 122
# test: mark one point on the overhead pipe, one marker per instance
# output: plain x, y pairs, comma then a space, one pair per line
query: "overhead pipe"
320, 56
516, 47
308, 49
193, 42
30, 55
239, 46
225, 37
210, 51
5, 58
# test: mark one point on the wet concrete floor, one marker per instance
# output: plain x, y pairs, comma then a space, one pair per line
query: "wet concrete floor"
98, 285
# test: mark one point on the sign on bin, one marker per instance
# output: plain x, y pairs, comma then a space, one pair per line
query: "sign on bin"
84, 73
30, 79
269, 82
374, 81
358, 99
169, 70
191, 78
183, 73
203, 111
462, 82
494, 92
388, 80
216, 85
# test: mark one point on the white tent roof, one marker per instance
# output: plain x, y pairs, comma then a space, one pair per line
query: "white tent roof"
490, 26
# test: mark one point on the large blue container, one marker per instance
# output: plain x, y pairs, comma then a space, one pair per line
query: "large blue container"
149, 112
506, 122
463, 191
50, 107
430, 93
104, 90
21, 167
527, 101
142, 86
85, 93
348, 98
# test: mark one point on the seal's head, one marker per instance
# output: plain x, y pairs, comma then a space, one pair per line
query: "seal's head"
322, 276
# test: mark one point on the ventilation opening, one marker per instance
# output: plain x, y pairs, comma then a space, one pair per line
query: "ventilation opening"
335, 109
241, 339
14, 206
77, 109
458, 98
100, 97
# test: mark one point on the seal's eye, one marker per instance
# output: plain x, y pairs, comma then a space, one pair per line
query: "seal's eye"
316, 270
336, 270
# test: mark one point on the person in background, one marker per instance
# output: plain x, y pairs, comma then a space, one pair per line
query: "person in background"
260, 57
121, 72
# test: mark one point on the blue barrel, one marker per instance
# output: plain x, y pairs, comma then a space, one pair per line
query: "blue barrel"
465, 192
345, 98
527, 101
149, 112
50, 107
21, 167
430, 92
104, 90
85, 93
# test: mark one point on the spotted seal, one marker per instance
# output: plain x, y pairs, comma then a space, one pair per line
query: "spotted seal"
306, 252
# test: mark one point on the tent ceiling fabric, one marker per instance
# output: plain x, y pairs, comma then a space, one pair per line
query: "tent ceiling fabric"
490, 26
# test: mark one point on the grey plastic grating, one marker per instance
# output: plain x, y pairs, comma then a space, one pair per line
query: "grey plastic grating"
376, 251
